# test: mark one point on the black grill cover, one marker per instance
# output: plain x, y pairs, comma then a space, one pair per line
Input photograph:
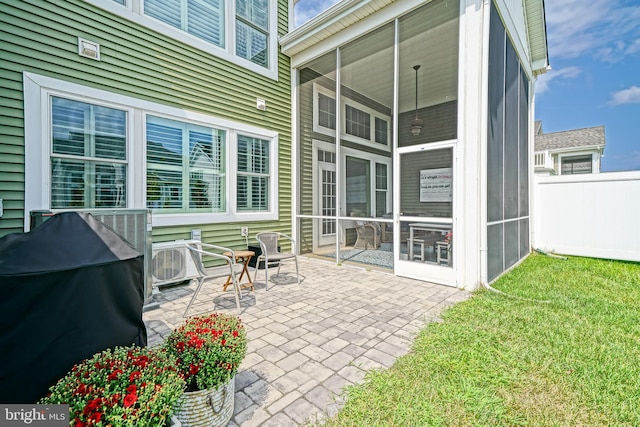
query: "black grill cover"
68, 289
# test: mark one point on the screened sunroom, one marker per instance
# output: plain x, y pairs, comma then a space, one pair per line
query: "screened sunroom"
396, 109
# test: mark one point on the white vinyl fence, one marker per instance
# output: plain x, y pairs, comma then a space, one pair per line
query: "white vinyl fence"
594, 215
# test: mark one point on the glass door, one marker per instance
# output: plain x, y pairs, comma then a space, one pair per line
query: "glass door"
424, 226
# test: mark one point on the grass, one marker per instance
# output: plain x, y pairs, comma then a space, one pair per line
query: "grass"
496, 360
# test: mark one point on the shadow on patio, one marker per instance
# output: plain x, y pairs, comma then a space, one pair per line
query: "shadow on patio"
307, 342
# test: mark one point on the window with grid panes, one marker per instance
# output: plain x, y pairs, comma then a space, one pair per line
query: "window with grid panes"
381, 131
357, 122
185, 167
576, 165
88, 155
252, 192
328, 207
252, 30
326, 111
382, 189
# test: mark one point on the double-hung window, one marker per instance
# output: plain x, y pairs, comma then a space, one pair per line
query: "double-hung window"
185, 167
87, 148
253, 174
252, 31
382, 189
88, 162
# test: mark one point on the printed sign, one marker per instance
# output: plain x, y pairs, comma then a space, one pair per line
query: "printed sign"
436, 185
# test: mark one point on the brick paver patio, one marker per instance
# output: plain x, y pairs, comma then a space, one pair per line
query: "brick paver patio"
307, 342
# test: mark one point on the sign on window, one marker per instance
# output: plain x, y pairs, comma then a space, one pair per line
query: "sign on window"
436, 185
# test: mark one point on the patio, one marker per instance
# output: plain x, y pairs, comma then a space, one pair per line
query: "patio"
307, 342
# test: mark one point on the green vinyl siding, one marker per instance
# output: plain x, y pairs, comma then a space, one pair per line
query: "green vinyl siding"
41, 37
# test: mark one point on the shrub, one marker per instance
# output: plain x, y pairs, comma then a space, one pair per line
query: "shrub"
208, 349
127, 386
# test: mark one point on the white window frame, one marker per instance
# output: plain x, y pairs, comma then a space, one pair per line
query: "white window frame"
372, 159
90, 161
373, 114
37, 92
133, 11
185, 168
564, 156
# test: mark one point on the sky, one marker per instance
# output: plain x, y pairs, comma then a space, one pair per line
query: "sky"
594, 53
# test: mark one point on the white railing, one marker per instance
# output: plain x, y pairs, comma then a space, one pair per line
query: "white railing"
542, 159
593, 215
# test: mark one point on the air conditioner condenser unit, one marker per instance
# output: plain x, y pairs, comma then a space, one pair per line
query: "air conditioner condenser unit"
171, 263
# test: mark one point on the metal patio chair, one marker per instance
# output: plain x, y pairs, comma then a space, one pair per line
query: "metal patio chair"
368, 235
271, 253
203, 250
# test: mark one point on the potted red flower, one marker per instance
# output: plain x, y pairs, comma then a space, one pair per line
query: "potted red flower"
127, 386
208, 350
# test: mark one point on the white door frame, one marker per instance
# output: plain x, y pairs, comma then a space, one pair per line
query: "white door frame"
430, 272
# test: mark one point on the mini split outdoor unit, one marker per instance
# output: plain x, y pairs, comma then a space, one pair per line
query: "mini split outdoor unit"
171, 262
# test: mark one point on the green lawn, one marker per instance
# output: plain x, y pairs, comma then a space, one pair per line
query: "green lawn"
571, 359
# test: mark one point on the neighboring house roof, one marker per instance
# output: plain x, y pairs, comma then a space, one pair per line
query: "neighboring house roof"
538, 128
592, 137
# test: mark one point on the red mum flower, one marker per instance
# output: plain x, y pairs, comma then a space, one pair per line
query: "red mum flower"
223, 342
132, 389
95, 417
92, 406
235, 334
193, 369
141, 361
115, 399
113, 375
82, 389
129, 400
134, 376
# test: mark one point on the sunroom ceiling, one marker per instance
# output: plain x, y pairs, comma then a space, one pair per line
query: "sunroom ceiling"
368, 67
441, 77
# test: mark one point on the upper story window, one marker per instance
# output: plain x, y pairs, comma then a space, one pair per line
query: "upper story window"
241, 31
326, 111
360, 123
201, 18
357, 122
252, 31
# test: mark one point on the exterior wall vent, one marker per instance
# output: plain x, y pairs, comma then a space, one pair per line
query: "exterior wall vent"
88, 49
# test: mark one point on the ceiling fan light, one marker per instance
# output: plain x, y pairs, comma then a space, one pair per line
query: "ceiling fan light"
416, 127
416, 124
